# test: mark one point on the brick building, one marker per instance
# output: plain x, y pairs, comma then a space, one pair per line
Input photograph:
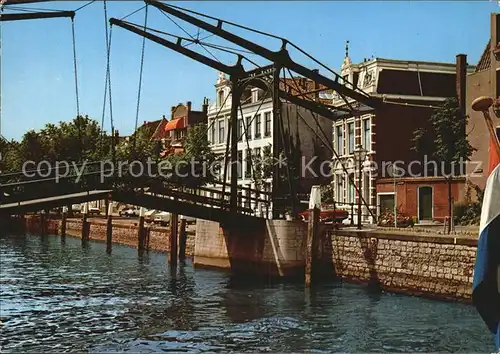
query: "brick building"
484, 81
173, 132
410, 91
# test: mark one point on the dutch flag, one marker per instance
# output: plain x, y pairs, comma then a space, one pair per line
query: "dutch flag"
486, 283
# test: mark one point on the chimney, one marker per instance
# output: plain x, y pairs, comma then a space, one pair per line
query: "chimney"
461, 78
204, 107
316, 86
188, 104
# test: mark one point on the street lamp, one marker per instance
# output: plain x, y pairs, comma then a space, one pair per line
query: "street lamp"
391, 170
360, 154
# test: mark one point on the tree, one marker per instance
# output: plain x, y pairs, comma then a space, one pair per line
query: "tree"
445, 140
263, 166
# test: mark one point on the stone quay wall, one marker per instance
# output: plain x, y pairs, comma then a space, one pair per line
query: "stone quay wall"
433, 266
159, 237
436, 266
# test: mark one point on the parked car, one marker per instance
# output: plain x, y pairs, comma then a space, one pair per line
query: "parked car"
150, 215
129, 212
94, 211
162, 218
76, 208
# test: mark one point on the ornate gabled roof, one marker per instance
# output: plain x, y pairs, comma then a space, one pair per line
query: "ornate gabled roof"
485, 61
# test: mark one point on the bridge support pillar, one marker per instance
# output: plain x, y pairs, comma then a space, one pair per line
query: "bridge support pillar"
141, 233
182, 240
172, 256
109, 228
311, 244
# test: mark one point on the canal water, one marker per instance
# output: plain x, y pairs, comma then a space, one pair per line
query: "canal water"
61, 297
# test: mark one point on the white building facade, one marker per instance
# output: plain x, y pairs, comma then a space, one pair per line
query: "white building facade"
255, 133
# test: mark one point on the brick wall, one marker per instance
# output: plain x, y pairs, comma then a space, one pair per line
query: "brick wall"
392, 144
438, 267
159, 237
407, 194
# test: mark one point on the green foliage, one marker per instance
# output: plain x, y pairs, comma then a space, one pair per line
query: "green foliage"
445, 140
192, 168
138, 146
263, 166
468, 212
77, 140
327, 193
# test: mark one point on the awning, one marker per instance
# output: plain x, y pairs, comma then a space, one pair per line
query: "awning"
175, 124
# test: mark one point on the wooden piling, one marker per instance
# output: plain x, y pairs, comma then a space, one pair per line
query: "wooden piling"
182, 240
172, 256
63, 223
85, 224
141, 234
43, 223
109, 228
312, 236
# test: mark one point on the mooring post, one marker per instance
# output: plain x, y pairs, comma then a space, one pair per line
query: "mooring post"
312, 231
23, 224
140, 236
182, 240
173, 239
109, 228
85, 231
63, 222
312, 235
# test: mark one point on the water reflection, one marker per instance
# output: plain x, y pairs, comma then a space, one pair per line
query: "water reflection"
61, 296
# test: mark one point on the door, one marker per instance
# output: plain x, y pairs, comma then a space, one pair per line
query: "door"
425, 203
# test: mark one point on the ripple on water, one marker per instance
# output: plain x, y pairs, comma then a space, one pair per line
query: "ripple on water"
60, 297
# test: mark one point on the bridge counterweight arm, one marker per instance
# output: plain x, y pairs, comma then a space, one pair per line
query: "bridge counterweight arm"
36, 15
231, 70
19, 2
236, 70
282, 58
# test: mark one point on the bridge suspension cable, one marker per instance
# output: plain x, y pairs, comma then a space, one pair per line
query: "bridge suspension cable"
75, 67
107, 83
140, 82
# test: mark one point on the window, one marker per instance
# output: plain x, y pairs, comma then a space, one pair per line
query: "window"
258, 124
340, 140
267, 124
248, 164
221, 131
212, 132
367, 134
350, 132
350, 196
340, 188
240, 129
239, 163
249, 127
256, 154
221, 97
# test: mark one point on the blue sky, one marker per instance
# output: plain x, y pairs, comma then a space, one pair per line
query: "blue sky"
37, 56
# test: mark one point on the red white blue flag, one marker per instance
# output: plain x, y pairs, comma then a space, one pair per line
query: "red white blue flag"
486, 283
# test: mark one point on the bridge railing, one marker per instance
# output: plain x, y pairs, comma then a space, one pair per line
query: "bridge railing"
27, 185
